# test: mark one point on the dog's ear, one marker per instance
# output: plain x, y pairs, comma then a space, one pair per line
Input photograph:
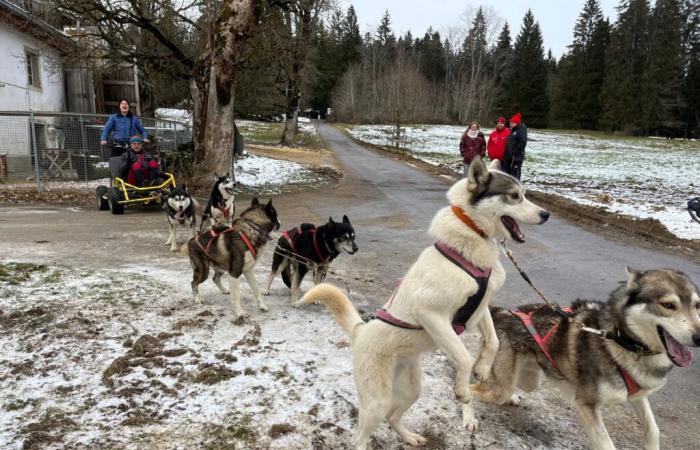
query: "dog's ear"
478, 176
216, 177
184, 188
254, 202
238, 183
269, 204
495, 165
633, 277
345, 219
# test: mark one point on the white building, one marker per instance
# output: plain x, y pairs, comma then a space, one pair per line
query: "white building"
30, 71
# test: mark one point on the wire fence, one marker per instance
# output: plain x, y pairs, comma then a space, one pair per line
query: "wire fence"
52, 146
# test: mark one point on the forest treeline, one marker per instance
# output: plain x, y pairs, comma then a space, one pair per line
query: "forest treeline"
639, 74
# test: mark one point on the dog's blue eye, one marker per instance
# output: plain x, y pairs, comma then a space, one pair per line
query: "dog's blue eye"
669, 305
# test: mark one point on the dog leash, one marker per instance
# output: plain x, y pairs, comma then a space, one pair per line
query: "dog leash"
615, 335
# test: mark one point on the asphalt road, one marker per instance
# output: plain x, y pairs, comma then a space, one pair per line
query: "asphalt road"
390, 205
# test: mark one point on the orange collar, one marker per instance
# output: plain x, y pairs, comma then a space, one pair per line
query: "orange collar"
459, 212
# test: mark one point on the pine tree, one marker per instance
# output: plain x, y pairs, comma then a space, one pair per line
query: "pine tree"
663, 74
527, 83
501, 68
576, 102
430, 57
625, 61
351, 41
691, 64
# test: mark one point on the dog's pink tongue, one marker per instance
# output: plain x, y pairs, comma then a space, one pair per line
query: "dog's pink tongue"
679, 353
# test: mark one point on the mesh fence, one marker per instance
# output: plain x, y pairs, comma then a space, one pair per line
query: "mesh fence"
67, 146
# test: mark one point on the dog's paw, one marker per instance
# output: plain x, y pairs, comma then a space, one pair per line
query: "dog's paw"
173, 248
265, 292
197, 300
469, 420
482, 369
413, 439
514, 400
462, 392
240, 318
263, 307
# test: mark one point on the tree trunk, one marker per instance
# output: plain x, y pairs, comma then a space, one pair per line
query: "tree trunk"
291, 125
212, 89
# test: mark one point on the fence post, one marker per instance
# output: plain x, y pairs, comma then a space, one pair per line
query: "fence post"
82, 146
37, 162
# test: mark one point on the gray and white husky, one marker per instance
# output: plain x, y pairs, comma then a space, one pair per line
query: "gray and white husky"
234, 250
653, 317
181, 209
386, 356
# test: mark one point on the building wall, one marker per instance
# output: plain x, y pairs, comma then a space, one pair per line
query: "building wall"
13, 69
15, 139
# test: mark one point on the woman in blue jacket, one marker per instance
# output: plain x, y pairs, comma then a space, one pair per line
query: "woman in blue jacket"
123, 125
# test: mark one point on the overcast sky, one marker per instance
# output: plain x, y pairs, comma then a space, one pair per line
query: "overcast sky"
556, 17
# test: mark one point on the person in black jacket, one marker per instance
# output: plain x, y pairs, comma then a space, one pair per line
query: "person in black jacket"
138, 166
515, 146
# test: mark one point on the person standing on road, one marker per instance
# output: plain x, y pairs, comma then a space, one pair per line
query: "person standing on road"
515, 145
497, 142
473, 143
123, 125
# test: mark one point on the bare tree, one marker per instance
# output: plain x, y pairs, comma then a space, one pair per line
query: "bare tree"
195, 41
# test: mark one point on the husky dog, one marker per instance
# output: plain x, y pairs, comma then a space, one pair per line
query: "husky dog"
220, 208
654, 316
181, 209
234, 250
320, 245
484, 207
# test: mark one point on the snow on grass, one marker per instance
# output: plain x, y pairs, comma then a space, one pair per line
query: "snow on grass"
122, 359
640, 177
275, 175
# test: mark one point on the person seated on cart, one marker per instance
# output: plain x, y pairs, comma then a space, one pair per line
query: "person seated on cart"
122, 124
138, 166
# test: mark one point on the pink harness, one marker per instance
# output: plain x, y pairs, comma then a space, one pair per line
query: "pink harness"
299, 232
543, 343
465, 312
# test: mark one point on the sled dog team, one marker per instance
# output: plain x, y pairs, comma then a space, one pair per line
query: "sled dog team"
651, 318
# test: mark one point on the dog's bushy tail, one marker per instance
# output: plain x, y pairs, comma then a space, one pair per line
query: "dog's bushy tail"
185, 249
338, 303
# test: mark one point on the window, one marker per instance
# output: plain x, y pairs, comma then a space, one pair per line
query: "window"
33, 72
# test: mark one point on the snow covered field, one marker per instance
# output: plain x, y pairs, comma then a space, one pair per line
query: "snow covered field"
640, 177
122, 359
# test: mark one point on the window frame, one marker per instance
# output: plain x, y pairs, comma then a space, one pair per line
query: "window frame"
33, 67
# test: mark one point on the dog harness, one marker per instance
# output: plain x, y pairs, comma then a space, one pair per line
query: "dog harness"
214, 235
543, 344
299, 232
466, 311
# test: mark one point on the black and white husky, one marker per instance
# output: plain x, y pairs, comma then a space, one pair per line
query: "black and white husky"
181, 209
220, 208
307, 248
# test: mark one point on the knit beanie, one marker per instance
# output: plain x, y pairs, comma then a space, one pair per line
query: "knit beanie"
517, 118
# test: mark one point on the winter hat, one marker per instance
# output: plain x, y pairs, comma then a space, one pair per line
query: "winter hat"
136, 139
516, 118
501, 120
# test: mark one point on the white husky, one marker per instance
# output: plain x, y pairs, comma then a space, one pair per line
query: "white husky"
484, 208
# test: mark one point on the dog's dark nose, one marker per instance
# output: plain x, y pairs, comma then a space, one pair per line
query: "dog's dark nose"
544, 215
696, 340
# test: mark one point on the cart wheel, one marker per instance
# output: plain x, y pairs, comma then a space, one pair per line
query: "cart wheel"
102, 202
114, 205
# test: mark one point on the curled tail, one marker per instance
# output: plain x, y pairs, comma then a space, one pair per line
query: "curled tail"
338, 303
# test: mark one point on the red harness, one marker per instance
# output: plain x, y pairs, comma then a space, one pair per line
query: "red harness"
225, 211
290, 239
214, 235
543, 343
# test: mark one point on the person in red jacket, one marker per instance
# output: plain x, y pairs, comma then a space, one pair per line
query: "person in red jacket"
473, 143
497, 142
